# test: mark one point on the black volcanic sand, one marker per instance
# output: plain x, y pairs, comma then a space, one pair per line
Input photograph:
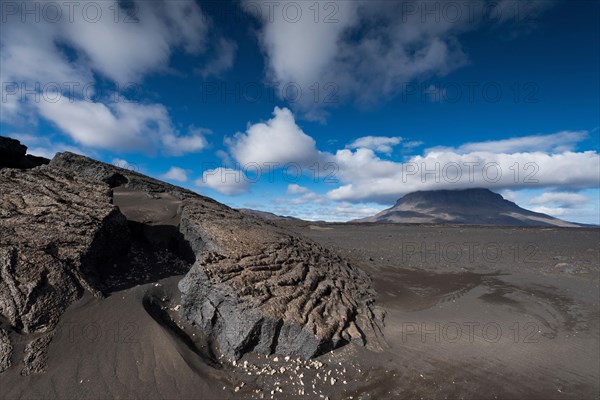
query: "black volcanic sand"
460, 324
480, 312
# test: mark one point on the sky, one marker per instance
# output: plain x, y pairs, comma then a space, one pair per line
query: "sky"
322, 110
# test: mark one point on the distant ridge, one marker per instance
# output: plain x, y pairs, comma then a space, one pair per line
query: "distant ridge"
265, 214
469, 206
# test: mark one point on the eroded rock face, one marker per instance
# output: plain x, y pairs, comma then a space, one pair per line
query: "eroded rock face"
5, 350
55, 229
115, 176
257, 287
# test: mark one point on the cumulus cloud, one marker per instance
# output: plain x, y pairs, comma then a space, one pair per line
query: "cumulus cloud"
175, 174
335, 212
554, 143
364, 50
538, 161
121, 42
62, 53
122, 163
384, 181
120, 126
562, 199
296, 189
278, 140
225, 181
381, 144
305, 198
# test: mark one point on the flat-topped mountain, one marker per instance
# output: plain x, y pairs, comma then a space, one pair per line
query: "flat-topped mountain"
469, 206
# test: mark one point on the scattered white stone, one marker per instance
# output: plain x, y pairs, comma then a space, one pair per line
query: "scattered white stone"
237, 389
276, 359
282, 370
333, 381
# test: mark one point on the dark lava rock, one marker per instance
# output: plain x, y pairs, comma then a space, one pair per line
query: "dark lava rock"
116, 176
257, 287
254, 286
56, 228
5, 350
14, 155
36, 354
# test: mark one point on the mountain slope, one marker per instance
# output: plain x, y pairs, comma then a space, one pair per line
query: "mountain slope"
265, 214
469, 206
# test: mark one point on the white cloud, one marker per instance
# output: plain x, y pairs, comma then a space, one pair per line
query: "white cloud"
562, 199
224, 59
225, 180
331, 211
120, 126
296, 189
175, 174
509, 195
46, 146
122, 163
381, 144
121, 41
369, 178
108, 39
515, 163
555, 143
305, 198
554, 211
278, 140
365, 50
177, 145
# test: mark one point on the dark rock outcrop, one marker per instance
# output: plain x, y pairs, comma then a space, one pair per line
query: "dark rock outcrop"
14, 155
5, 350
256, 286
36, 354
116, 176
56, 228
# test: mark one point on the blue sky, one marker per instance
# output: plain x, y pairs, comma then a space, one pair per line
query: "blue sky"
321, 110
